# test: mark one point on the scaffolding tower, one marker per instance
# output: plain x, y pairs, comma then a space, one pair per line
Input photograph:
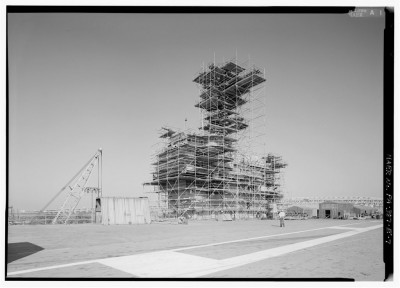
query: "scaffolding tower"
220, 168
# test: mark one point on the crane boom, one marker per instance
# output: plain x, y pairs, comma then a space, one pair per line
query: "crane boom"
66, 185
76, 188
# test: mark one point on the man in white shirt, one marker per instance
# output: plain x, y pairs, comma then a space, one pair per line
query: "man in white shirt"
282, 218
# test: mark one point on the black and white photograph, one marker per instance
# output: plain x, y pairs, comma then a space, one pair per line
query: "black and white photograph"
199, 143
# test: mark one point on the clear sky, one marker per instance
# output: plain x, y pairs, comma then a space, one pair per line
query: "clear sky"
78, 82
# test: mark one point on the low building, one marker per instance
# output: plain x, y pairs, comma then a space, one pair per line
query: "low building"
364, 210
334, 210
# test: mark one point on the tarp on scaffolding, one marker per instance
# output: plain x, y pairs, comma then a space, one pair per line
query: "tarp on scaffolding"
125, 210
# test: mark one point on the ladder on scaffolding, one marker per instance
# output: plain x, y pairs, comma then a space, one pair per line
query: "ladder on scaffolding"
76, 188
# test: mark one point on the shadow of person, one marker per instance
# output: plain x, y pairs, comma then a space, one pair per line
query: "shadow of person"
20, 250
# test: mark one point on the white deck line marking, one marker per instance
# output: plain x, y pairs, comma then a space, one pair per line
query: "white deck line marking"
260, 237
274, 252
172, 264
158, 260
50, 267
161, 264
344, 228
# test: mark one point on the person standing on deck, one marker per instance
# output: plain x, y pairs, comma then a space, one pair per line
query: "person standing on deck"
282, 218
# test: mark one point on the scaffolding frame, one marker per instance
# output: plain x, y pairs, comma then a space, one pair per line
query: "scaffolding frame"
220, 168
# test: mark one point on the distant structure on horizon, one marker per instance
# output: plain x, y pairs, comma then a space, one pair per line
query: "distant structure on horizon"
219, 169
315, 201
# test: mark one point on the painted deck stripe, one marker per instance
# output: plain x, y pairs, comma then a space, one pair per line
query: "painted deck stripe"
158, 253
346, 228
50, 267
164, 264
275, 252
260, 237
172, 264
177, 249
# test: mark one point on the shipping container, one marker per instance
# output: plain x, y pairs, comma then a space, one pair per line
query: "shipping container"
118, 210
